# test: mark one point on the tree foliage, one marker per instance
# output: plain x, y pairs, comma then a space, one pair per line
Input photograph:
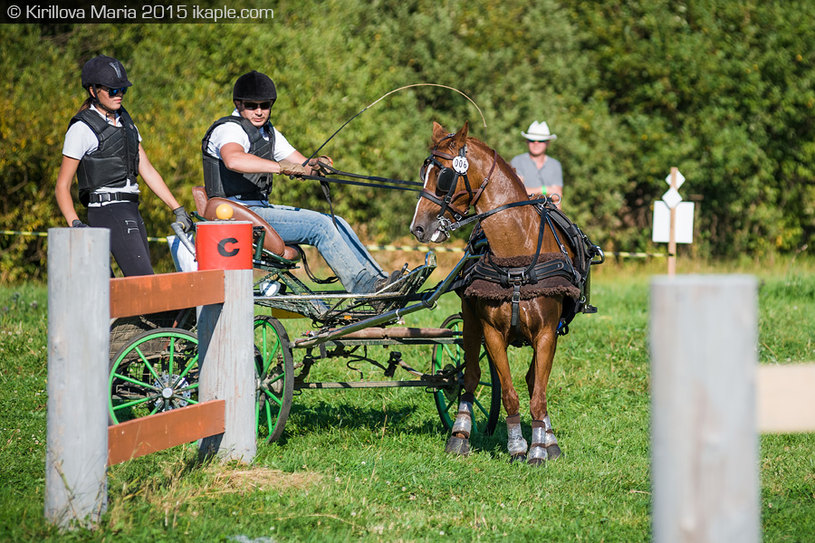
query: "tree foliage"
723, 90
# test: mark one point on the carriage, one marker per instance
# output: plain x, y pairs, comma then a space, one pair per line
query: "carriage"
156, 369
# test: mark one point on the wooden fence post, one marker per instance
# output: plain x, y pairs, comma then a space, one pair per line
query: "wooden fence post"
78, 345
226, 358
703, 337
672, 229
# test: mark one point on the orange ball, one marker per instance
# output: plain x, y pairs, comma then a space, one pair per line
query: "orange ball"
224, 212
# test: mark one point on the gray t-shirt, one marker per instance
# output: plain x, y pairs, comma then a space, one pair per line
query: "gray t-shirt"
551, 174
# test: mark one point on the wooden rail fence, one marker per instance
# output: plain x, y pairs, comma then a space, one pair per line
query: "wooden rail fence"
82, 299
709, 401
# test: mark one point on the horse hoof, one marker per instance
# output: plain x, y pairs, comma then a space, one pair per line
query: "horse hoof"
458, 445
536, 462
553, 451
517, 458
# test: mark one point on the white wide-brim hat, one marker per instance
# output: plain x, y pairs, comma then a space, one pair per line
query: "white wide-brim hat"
539, 132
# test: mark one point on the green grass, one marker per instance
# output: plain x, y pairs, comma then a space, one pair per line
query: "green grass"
369, 464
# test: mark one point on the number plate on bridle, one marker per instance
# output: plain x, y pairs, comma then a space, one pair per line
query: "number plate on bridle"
460, 164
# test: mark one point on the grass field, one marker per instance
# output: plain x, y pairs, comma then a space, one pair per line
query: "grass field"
369, 464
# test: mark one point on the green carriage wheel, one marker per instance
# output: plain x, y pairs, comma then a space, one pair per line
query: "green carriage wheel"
274, 365
156, 371
487, 405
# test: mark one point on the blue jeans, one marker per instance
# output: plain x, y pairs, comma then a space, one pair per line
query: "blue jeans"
339, 245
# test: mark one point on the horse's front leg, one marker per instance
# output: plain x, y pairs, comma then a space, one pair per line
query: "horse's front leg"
544, 443
459, 441
496, 344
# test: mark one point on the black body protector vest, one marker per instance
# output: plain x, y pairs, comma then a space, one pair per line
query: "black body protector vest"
115, 160
221, 181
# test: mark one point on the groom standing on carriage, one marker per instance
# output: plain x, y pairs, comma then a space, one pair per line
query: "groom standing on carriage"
241, 152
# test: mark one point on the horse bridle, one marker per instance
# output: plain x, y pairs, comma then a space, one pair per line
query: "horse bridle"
446, 182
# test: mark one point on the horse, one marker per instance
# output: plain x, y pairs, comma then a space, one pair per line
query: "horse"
463, 173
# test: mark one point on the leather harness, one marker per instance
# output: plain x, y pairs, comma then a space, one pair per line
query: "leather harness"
575, 270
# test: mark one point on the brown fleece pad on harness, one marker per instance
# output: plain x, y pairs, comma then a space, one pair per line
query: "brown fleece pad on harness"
548, 287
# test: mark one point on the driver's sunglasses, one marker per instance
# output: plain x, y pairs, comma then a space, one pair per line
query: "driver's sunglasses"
114, 92
254, 105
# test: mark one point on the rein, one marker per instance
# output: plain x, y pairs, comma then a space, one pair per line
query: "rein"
324, 181
408, 185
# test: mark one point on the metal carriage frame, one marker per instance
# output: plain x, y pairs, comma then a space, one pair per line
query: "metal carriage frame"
157, 370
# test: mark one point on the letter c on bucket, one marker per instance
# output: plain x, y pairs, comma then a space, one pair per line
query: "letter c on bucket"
224, 245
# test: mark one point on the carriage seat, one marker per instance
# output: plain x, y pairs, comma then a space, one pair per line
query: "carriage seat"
272, 241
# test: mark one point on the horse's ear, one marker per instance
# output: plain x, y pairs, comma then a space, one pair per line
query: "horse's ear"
438, 132
461, 135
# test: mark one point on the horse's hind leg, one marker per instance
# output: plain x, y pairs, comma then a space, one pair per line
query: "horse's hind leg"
459, 441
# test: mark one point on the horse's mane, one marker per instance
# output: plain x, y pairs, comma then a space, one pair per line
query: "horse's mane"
500, 161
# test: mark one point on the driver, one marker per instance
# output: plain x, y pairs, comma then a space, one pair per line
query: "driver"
241, 152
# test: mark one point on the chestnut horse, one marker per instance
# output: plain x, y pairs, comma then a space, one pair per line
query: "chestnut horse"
464, 173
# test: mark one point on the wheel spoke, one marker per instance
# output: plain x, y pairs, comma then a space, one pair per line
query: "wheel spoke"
271, 396
485, 412
136, 382
131, 403
269, 346
192, 363
146, 367
453, 355
277, 378
274, 365
269, 417
262, 347
188, 388
148, 364
258, 406
171, 358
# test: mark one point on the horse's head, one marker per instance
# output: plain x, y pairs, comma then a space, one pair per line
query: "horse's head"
447, 192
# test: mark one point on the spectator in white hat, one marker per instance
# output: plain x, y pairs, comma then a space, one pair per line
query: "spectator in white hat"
540, 173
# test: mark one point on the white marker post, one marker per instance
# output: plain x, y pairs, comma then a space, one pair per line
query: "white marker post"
673, 218
672, 235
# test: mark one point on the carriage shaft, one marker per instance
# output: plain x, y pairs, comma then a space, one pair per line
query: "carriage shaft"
335, 385
427, 302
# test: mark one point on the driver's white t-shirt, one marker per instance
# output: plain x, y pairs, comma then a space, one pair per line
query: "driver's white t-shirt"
234, 133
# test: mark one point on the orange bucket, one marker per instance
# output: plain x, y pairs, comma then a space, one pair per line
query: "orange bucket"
224, 245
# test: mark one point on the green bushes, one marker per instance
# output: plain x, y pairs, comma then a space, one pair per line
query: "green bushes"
723, 91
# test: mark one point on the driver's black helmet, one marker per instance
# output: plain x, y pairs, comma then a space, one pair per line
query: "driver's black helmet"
254, 86
105, 71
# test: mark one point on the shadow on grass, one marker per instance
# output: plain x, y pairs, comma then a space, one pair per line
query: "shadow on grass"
322, 416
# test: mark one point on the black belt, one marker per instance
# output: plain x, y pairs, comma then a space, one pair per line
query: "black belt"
101, 197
